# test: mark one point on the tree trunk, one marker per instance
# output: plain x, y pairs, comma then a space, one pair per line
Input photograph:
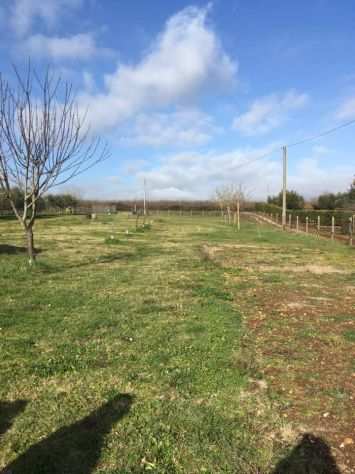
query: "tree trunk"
30, 245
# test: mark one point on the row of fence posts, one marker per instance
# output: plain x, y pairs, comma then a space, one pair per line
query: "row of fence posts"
351, 226
186, 212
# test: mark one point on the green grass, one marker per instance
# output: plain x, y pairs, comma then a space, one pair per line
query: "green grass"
139, 314
123, 352
350, 335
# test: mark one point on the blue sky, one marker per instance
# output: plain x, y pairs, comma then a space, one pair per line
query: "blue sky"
187, 93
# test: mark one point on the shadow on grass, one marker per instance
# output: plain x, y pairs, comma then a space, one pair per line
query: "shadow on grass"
137, 254
8, 412
311, 456
73, 449
15, 250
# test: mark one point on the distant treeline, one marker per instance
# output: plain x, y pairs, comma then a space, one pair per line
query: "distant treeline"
71, 203
326, 201
49, 202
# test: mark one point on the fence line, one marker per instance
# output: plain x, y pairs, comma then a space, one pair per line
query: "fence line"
295, 223
88, 211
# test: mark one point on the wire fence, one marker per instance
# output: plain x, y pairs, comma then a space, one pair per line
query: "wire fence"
337, 230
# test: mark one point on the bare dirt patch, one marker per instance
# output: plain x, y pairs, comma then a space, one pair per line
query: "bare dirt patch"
301, 325
315, 269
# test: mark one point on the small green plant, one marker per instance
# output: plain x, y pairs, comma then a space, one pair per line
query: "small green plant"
349, 335
112, 240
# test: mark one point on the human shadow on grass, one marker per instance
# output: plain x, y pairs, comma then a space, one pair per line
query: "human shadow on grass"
73, 449
8, 412
311, 455
15, 250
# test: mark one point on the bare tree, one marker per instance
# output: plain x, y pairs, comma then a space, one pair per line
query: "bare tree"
231, 199
44, 142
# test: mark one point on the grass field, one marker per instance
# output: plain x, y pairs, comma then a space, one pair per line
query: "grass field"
186, 348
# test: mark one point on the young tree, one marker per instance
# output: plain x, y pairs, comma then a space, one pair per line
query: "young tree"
44, 142
230, 199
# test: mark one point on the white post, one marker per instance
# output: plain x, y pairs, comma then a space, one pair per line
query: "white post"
238, 215
318, 224
333, 227
297, 223
145, 199
350, 231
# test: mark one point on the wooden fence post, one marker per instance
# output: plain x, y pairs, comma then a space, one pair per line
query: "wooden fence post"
307, 224
238, 215
297, 223
350, 231
290, 220
318, 224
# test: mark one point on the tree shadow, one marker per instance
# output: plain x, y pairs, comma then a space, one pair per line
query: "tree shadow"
15, 250
73, 449
8, 412
312, 455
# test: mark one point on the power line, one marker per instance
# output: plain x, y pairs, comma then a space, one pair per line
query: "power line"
265, 155
300, 142
322, 134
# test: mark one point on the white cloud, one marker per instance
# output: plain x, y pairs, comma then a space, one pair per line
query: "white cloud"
269, 112
321, 150
25, 12
311, 178
89, 82
184, 127
346, 110
81, 46
196, 175
186, 57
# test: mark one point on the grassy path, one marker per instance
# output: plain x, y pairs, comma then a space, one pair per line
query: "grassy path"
138, 353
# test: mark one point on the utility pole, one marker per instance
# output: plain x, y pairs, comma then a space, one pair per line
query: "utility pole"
284, 187
145, 198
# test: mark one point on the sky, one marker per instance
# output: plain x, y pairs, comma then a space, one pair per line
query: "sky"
191, 96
